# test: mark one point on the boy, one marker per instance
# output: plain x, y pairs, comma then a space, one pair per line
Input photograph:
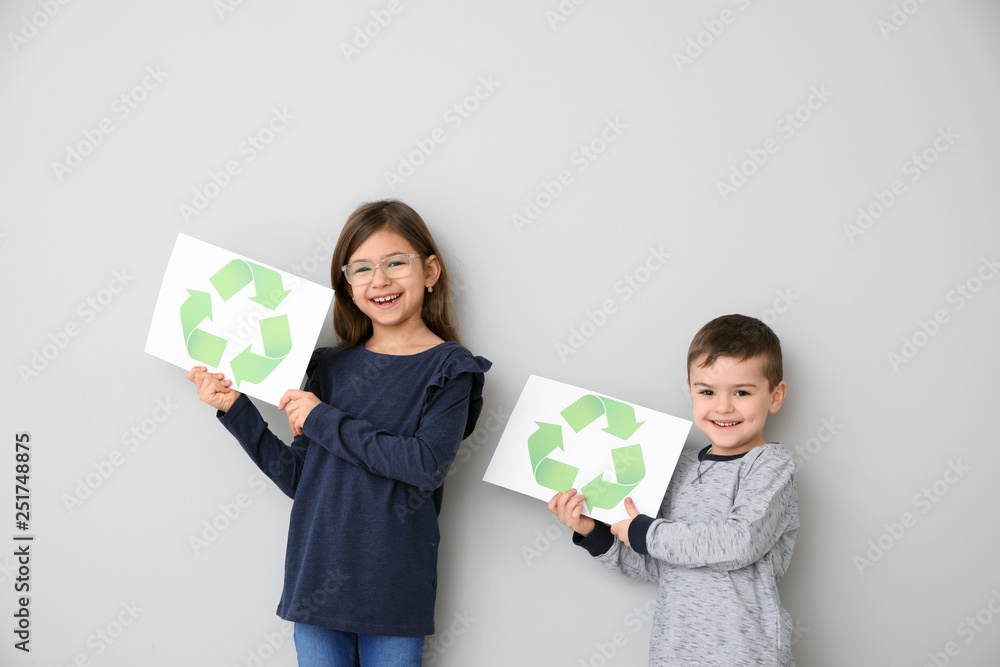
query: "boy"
728, 521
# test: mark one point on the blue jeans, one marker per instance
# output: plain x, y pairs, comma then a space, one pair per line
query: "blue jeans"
322, 647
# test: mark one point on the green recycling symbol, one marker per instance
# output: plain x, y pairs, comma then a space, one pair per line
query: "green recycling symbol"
630, 468
209, 348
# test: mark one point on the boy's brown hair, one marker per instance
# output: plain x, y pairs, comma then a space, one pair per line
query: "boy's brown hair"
351, 325
740, 337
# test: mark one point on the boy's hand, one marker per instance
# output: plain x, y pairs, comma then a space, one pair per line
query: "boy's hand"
620, 529
297, 405
568, 507
213, 388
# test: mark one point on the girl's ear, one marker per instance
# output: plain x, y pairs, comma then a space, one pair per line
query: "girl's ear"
432, 271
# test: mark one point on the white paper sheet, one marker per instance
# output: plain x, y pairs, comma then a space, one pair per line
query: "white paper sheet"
255, 323
610, 449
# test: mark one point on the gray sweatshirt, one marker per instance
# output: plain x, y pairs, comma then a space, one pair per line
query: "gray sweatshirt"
722, 541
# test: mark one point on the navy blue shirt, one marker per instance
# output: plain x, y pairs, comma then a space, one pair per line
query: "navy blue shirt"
366, 480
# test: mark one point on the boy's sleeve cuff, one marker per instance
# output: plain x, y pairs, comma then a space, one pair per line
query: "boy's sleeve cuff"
637, 531
598, 541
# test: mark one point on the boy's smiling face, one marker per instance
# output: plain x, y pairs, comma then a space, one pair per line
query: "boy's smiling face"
731, 401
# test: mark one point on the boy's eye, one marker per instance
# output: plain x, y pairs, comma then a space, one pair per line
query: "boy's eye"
742, 392
706, 392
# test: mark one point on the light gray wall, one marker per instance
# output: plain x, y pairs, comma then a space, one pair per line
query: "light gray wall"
871, 432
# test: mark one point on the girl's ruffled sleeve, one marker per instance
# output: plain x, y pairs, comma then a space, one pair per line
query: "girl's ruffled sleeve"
455, 367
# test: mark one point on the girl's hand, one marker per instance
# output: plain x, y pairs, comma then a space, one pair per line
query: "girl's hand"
620, 529
297, 405
568, 507
213, 388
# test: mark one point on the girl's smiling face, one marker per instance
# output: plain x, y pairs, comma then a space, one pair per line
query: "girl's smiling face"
392, 303
731, 401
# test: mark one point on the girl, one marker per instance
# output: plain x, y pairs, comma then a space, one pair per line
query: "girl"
376, 432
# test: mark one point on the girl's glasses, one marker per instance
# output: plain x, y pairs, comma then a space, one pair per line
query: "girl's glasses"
397, 266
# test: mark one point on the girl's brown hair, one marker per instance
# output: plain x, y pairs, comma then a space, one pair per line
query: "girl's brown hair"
351, 325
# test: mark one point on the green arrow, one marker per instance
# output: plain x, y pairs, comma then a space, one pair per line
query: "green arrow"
544, 441
630, 468
621, 416
583, 411
239, 273
231, 278
621, 419
550, 473
277, 336
195, 310
255, 368
201, 346
267, 282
